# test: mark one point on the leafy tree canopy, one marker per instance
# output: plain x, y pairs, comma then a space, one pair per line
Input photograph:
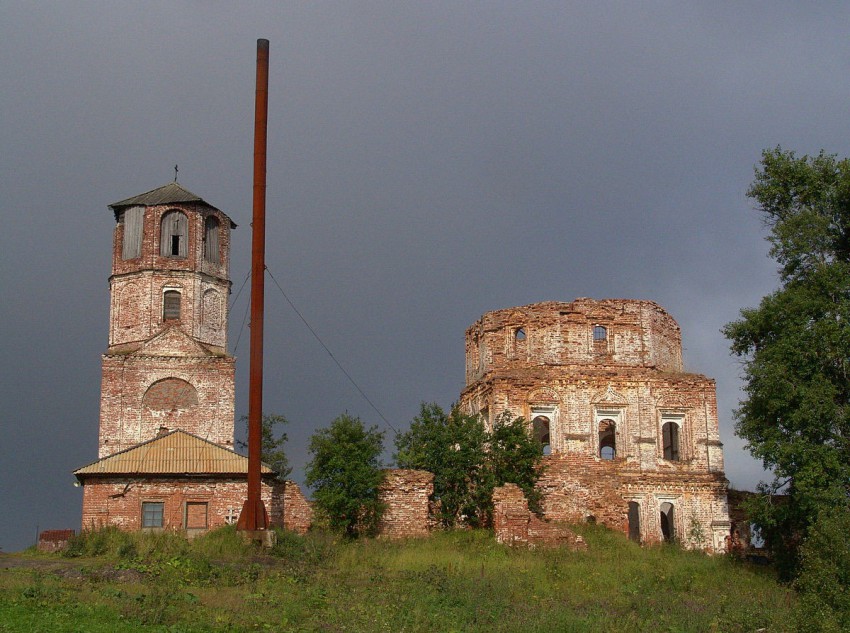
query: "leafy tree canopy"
515, 457
271, 449
795, 347
453, 448
345, 473
468, 461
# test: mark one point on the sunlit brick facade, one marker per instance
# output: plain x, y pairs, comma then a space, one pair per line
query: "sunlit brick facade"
631, 439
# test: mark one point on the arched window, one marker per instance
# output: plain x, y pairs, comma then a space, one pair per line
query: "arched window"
540, 428
170, 305
174, 237
211, 241
600, 339
607, 439
668, 526
670, 440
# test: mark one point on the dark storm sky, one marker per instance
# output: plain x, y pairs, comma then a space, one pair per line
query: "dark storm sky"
428, 162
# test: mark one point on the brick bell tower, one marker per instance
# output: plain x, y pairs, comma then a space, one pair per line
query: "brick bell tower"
167, 366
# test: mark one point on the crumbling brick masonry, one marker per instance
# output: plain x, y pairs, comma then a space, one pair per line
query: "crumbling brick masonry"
630, 439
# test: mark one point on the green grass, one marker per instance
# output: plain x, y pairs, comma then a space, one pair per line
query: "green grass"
457, 581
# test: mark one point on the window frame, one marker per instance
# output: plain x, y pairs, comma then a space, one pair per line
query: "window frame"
675, 421
144, 514
212, 236
186, 506
179, 230
600, 335
612, 413
167, 293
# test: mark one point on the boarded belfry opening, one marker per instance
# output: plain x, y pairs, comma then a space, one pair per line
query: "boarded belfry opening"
627, 430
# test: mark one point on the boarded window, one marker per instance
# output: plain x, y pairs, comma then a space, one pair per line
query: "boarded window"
152, 514
170, 305
634, 521
668, 526
607, 439
174, 236
670, 440
133, 220
540, 427
196, 515
211, 240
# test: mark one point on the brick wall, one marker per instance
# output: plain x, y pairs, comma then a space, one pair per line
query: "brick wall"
297, 510
640, 334
54, 540
406, 495
579, 488
633, 382
515, 524
118, 502
128, 418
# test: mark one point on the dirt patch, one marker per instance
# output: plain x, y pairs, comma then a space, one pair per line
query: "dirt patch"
69, 568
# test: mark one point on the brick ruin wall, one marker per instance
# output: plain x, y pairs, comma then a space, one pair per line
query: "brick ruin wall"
297, 510
579, 488
637, 400
640, 334
407, 498
515, 524
54, 540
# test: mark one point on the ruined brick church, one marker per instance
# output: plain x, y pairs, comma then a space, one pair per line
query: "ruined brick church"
631, 439
165, 445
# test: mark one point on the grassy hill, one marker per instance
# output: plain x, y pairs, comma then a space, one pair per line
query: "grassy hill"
457, 581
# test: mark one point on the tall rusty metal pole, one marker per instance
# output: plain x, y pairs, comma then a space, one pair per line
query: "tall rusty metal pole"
254, 516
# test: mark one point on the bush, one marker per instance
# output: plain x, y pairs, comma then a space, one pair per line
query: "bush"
468, 461
824, 580
345, 472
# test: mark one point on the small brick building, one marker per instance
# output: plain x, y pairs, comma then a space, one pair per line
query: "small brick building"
165, 447
631, 439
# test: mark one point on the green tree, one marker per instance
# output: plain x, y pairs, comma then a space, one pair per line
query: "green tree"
795, 349
271, 449
468, 462
452, 447
345, 473
825, 573
515, 457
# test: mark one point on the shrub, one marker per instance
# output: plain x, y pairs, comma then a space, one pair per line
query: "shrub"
345, 472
